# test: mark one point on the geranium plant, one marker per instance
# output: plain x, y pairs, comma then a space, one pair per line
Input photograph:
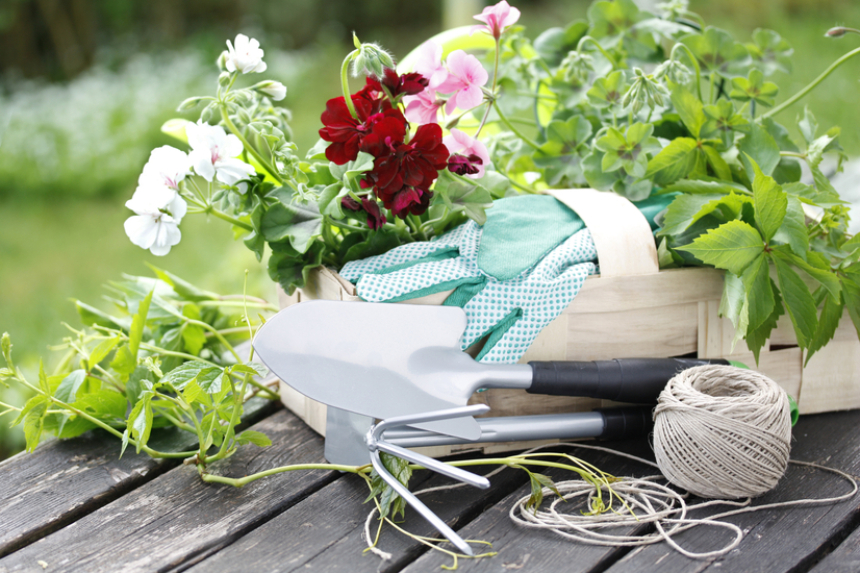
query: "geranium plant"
625, 101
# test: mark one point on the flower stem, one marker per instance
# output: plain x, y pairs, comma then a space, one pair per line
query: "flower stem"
793, 99
240, 482
510, 126
344, 82
695, 65
225, 217
235, 131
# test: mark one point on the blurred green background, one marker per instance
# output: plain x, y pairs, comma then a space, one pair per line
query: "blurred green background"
86, 84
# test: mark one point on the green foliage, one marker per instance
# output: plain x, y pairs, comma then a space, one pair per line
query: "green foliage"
390, 502
130, 380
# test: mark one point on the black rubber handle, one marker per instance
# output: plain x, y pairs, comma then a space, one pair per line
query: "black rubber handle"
624, 423
635, 380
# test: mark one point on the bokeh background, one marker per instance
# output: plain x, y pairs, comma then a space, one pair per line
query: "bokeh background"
86, 84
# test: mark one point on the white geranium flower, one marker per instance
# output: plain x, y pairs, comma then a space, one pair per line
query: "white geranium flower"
213, 153
275, 90
158, 212
166, 166
245, 55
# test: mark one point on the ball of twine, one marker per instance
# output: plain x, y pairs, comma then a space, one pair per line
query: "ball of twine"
722, 432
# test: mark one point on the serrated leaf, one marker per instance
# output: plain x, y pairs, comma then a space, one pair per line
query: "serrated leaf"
101, 351
770, 202
43, 379
718, 164
33, 423
67, 392
193, 338
756, 338
754, 88
851, 299
140, 420
389, 500
690, 108
716, 51
686, 210
192, 392
462, 194
798, 302
793, 230
209, 379
831, 313
758, 292
135, 334
28, 407
705, 187
731, 246
674, 162
184, 373
123, 361
825, 276
734, 296
253, 437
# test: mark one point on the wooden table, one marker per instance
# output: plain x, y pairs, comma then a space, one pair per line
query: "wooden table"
73, 506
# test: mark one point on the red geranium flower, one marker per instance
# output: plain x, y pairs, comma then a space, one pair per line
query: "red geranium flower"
346, 132
407, 84
464, 165
375, 218
403, 172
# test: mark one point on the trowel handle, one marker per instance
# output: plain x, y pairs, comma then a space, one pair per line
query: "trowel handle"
635, 380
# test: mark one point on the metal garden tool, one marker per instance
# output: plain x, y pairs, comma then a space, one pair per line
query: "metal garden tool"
345, 441
387, 360
376, 442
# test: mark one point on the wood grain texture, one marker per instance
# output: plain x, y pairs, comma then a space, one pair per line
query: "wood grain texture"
831, 379
777, 540
64, 480
845, 558
531, 550
623, 238
176, 517
325, 531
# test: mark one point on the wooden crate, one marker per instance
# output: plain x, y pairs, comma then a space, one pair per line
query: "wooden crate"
632, 309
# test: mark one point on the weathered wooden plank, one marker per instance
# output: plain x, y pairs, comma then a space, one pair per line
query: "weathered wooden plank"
325, 531
777, 540
845, 558
175, 517
531, 550
63, 480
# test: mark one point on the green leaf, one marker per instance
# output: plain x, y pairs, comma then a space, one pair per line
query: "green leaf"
43, 379
825, 276
758, 291
770, 52
831, 313
183, 288
462, 194
124, 361
135, 334
607, 91
724, 122
192, 392
209, 379
184, 373
101, 351
851, 298
289, 268
754, 89
90, 316
756, 338
690, 109
732, 246
553, 44
6, 345
717, 51
717, 163
253, 437
759, 145
330, 197
674, 162
28, 407
798, 302
34, 420
139, 381
389, 500
352, 169
106, 405
67, 391
734, 296
793, 231
538, 482
704, 187
140, 420
291, 219
808, 126
684, 211
770, 202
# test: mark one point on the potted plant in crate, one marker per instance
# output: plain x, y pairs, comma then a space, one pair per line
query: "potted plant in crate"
651, 107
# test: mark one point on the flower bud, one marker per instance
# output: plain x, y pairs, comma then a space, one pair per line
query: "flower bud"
275, 90
6, 344
189, 103
836, 32
221, 62
371, 60
576, 66
674, 71
224, 79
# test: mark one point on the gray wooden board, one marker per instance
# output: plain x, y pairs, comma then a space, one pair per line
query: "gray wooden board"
520, 549
63, 480
175, 517
845, 558
778, 539
325, 531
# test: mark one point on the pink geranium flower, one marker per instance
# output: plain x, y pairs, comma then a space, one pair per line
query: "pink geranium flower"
423, 108
466, 76
497, 19
468, 155
429, 63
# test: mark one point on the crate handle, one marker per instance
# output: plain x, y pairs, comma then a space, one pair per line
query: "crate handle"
623, 238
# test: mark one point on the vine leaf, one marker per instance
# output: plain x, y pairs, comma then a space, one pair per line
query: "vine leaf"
770, 202
674, 162
798, 302
732, 246
831, 313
